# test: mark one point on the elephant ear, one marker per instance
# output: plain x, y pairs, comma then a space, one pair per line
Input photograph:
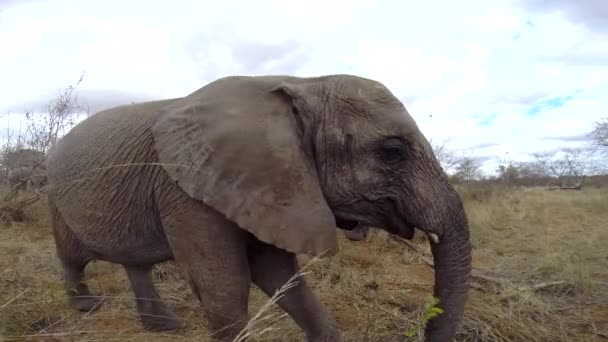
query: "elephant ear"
236, 145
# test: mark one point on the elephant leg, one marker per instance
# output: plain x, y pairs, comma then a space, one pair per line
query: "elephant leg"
271, 268
74, 258
152, 311
79, 296
213, 252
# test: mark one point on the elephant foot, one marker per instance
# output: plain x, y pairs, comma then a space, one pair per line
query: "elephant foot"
162, 321
84, 303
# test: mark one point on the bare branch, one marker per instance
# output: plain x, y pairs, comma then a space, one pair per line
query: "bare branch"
448, 158
600, 135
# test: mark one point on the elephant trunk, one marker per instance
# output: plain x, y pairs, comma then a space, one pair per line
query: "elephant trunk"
452, 262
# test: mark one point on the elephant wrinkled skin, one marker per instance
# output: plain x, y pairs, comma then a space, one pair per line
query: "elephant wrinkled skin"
235, 179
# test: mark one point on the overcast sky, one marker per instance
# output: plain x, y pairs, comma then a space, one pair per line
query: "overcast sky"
495, 77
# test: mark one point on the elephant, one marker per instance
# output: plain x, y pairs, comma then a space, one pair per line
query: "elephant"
235, 180
22, 177
18, 177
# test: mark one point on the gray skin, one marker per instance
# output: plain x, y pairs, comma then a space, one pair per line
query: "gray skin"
235, 179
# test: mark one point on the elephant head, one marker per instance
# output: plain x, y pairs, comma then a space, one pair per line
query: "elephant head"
289, 159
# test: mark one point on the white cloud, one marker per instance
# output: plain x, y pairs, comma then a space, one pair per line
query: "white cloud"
456, 65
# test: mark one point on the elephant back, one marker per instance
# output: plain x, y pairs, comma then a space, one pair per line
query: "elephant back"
105, 169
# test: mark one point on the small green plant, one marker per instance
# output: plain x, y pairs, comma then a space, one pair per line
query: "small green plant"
431, 310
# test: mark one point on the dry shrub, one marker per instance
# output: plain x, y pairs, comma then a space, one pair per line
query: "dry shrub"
14, 207
481, 192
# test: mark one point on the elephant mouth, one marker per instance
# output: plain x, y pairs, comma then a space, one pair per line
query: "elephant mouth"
403, 229
393, 225
346, 224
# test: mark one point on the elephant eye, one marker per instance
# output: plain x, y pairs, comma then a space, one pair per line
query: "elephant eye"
391, 150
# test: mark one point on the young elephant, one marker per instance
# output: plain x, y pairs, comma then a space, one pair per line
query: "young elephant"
19, 177
235, 179
22, 177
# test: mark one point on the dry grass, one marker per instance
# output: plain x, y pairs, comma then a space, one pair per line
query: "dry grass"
377, 289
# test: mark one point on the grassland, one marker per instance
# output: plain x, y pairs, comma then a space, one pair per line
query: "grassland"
541, 274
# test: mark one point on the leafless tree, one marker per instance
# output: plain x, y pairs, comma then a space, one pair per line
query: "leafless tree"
570, 165
447, 157
42, 130
600, 135
468, 169
541, 166
508, 170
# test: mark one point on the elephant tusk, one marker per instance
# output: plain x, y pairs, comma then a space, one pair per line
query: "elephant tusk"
434, 237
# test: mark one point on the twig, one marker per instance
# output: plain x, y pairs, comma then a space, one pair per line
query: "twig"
475, 273
542, 285
14, 298
247, 331
534, 287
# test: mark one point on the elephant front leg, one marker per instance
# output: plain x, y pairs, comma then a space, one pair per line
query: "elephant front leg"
271, 268
212, 251
152, 311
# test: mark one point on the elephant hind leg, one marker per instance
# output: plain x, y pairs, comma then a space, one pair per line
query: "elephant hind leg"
74, 258
153, 313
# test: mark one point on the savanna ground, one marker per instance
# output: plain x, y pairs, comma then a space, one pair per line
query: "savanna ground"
540, 264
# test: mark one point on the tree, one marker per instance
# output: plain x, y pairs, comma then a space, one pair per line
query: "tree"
600, 135
540, 167
468, 169
42, 131
448, 158
571, 165
508, 170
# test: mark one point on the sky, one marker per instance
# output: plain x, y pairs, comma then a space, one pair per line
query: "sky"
496, 78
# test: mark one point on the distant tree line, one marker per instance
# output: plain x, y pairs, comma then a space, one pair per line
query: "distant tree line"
27, 150
565, 167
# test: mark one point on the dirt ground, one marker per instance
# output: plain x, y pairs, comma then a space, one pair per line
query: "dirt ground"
541, 274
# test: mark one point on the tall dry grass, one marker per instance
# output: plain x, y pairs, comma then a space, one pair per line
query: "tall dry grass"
541, 274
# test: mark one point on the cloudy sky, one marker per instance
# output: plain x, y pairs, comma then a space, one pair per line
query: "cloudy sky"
494, 77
